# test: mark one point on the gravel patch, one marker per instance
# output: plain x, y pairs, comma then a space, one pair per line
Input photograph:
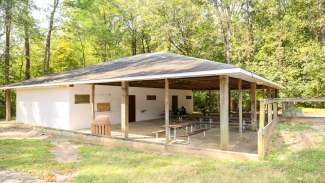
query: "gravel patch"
17, 177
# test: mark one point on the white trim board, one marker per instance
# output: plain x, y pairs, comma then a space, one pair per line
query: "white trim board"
235, 72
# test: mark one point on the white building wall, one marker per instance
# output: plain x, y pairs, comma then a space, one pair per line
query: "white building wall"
47, 107
80, 114
145, 109
55, 106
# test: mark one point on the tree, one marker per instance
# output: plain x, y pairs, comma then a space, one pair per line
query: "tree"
48, 38
225, 12
132, 16
8, 18
186, 28
282, 40
26, 24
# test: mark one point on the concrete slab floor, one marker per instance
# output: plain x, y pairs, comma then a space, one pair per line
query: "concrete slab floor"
142, 130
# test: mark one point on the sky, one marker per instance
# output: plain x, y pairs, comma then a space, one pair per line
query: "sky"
42, 13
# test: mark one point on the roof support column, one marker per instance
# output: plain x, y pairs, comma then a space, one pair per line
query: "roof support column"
93, 102
167, 130
269, 92
125, 109
276, 93
275, 111
8, 104
253, 106
269, 113
262, 114
224, 111
230, 102
240, 107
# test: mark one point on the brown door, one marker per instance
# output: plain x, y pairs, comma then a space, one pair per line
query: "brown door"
174, 103
131, 108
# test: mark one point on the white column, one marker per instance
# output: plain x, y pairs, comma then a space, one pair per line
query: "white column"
262, 114
125, 109
240, 107
93, 102
224, 111
269, 113
167, 110
253, 106
275, 111
8, 104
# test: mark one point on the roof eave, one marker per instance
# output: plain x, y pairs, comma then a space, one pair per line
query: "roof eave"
251, 77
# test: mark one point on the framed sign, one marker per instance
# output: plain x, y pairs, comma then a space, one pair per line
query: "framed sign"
82, 99
151, 97
103, 107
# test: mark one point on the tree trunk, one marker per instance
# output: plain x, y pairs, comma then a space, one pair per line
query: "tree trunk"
27, 50
134, 44
83, 52
8, 14
226, 44
320, 4
249, 29
227, 35
143, 47
148, 45
8, 105
322, 35
27, 53
48, 39
224, 15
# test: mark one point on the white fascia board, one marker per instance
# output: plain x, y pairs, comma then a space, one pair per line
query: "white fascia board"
228, 72
136, 78
260, 80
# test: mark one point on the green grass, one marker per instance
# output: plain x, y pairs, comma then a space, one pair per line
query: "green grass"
31, 156
103, 164
312, 110
294, 127
126, 165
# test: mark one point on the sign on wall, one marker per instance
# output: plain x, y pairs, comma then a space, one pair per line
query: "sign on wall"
82, 99
103, 107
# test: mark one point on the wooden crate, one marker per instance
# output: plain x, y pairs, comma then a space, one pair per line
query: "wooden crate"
101, 128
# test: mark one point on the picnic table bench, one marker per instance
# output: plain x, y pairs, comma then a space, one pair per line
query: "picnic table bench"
189, 134
158, 132
232, 123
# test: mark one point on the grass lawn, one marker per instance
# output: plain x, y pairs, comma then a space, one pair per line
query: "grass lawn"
311, 110
32, 156
103, 164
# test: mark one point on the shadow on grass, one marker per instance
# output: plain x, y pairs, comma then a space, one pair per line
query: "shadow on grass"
283, 126
124, 164
306, 165
32, 156
120, 164
303, 166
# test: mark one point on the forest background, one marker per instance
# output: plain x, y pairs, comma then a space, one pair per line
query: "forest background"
282, 40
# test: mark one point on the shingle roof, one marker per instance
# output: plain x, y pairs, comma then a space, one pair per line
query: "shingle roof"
139, 67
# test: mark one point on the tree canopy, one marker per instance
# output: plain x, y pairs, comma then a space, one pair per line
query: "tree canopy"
282, 40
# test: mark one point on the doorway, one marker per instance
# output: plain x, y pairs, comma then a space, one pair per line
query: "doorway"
174, 104
132, 108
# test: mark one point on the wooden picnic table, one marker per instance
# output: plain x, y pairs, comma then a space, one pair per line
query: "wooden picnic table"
175, 127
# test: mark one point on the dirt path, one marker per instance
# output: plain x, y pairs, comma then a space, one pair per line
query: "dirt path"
17, 177
65, 152
303, 139
11, 130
